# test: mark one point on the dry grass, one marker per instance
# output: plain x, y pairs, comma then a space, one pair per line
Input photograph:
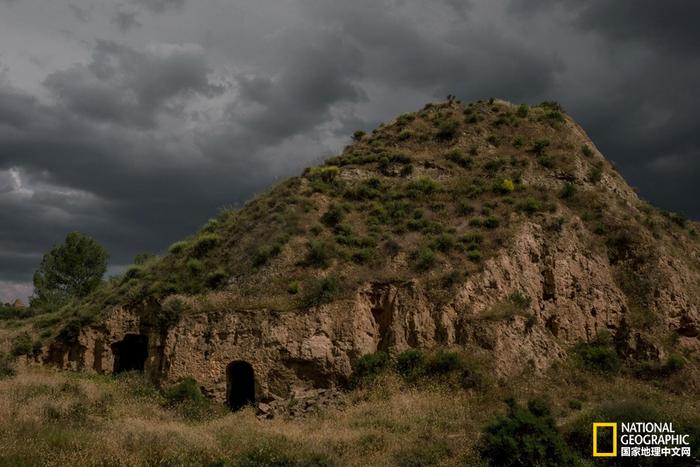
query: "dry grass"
49, 417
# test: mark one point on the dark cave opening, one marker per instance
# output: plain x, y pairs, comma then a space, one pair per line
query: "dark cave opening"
240, 385
131, 353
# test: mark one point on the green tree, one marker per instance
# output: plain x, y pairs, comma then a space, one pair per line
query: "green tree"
70, 270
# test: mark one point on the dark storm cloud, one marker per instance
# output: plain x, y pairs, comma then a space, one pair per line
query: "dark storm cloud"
130, 87
672, 25
322, 71
462, 57
149, 115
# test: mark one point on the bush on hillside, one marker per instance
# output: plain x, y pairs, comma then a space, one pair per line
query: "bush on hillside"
333, 216
525, 436
369, 366
204, 243
7, 366
599, 355
319, 253
447, 129
320, 291
22, 345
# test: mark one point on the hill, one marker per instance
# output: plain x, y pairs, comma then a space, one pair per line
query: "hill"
488, 247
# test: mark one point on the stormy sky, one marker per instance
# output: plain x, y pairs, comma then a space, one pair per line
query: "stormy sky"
136, 120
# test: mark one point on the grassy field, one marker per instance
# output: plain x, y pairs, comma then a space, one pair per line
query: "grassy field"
49, 417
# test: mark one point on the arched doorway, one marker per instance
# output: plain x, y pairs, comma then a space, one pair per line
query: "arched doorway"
240, 385
130, 353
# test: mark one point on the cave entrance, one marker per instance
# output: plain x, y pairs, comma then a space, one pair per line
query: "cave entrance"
240, 385
131, 353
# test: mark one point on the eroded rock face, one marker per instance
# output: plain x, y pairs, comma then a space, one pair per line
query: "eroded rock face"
572, 296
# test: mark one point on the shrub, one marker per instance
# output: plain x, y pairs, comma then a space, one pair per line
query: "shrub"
520, 300
195, 266
358, 135
422, 186
319, 254
459, 158
546, 161
551, 105
677, 218
586, 150
524, 436
529, 206
653, 370
204, 244
424, 259
324, 179
568, 191
406, 170
186, 390
409, 363
320, 291
505, 186
264, 253
474, 255
599, 355
491, 222
367, 367
523, 110
177, 247
464, 208
494, 165
170, 311
188, 400
540, 146
405, 134
216, 278
554, 116
368, 189
492, 140
596, 173
361, 256
333, 216
442, 362
518, 142
7, 367
447, 129
22, 345
133, 272
293, 288
444, 243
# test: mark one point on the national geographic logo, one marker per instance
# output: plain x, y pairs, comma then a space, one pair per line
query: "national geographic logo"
639, 439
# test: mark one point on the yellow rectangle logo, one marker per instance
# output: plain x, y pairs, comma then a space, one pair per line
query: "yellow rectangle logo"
613, 453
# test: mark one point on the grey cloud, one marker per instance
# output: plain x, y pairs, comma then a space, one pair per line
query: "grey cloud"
125, 21
160, 6
80, 13
323, 71
131, 87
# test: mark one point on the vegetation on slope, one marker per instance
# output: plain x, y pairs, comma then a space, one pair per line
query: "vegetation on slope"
49, 417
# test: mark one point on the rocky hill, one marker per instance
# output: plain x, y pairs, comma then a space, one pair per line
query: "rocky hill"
494, 228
